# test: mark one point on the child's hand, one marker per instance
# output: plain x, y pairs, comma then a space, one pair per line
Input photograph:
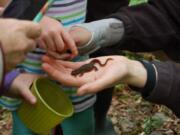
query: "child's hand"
20, 87
55, 38
80, 35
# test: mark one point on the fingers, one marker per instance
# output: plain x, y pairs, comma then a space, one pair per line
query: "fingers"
49, 43
46, 59
49, 60
59, 43
70, 43
106, 81
41, 44
72, 65
89, 88
68, 64
28, 96
62, 76
50, 70
59, 56
56, 38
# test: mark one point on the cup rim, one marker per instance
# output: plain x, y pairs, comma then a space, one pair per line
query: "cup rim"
44, 102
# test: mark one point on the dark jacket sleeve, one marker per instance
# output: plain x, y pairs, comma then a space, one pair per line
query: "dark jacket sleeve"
98, 9
151, 26
167, 88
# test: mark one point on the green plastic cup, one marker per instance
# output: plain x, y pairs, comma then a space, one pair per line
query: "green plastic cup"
52, 107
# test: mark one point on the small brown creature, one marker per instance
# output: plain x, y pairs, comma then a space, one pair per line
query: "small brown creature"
88, 67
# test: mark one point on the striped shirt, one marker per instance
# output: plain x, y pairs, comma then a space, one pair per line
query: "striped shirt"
69, 12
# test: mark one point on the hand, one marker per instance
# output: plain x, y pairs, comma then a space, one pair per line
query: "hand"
55, 38
4, 2
17, 38
20, 87
118, 70
1, 10
80, 35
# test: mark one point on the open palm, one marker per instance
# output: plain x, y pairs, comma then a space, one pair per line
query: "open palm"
90, 82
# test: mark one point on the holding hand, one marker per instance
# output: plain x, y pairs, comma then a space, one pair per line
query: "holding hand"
17, 38
118, 70
20, 87
55, 38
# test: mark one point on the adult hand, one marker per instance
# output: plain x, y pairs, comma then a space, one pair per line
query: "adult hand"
118, 70
4, 2
17, 38
1, 10
55, 38
20, 87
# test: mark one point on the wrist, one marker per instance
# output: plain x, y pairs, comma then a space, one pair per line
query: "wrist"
10, 77
137, 74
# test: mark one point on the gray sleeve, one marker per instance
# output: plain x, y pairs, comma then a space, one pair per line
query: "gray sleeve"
105, 32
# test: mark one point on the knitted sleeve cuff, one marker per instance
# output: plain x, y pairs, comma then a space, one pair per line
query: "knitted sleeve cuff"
151, 79
104, 32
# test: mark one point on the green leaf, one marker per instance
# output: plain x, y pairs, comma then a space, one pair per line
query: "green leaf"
137, 2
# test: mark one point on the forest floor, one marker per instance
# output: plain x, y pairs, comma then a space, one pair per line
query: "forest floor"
130, 114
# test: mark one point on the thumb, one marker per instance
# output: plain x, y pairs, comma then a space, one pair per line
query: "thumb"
80, 35
28, 96
96, 86
32, 30
89, 88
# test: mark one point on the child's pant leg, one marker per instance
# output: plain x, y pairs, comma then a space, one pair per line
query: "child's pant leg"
18, 127
81, 123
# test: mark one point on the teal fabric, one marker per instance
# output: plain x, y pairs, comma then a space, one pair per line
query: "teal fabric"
81, 123
18, 127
